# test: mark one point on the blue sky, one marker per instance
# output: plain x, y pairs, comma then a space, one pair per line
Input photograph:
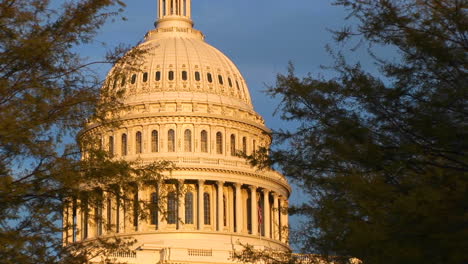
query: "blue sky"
260, 36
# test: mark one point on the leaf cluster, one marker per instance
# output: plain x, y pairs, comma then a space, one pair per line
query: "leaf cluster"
383, 156
47, 92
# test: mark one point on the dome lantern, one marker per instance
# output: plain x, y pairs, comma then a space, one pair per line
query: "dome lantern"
174, 13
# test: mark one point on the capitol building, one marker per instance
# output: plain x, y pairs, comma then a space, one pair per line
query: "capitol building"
188, 103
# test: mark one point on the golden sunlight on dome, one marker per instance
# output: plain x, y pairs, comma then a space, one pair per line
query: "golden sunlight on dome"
187, 103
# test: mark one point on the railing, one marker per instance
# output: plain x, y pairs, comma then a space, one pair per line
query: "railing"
200, 252
130, 254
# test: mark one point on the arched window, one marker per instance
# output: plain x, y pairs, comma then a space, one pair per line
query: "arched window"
224, 210
124, 144
207, 209
154, 209
111, 145
254, 146
219, 143
189, 208
145, 77
209, 77
171, 75
124, 80
171, 208
220, 80
158, 76
171, 140
184, 75
230, 82
233, 145
244, 145
197, 76
154, 141
204, 141
188, 140
138, 143
133, 81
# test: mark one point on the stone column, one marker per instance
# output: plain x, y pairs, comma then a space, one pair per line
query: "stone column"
266, 212
142, 196
78, 225
180, 204
162, 205
253, 207
220, 206
239, 217
67, 222
275, 218
285, 220
282, 220
201, 184
189, 9
121, 215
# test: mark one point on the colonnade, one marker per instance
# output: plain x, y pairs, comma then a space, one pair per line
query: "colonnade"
217, 206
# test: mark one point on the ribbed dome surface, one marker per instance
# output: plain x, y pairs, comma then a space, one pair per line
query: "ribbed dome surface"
178, 65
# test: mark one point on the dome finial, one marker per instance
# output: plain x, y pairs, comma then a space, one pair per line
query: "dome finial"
174, 13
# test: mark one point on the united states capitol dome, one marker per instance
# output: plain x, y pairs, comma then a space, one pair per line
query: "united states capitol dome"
177, 64
185, 102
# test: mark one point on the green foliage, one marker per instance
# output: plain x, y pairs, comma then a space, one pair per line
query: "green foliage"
384, 156
47, 91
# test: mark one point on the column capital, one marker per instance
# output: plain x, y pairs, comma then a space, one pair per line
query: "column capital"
238, 185
253, 187
201, 181
265, 190
220, 182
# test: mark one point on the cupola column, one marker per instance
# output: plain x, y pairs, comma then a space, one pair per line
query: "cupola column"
174, 8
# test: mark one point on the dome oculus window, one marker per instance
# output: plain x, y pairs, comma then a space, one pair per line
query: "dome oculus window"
220, 80
171, 75
158, 76
145, 77
197, 76
209, 77
133, 81
184, 75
